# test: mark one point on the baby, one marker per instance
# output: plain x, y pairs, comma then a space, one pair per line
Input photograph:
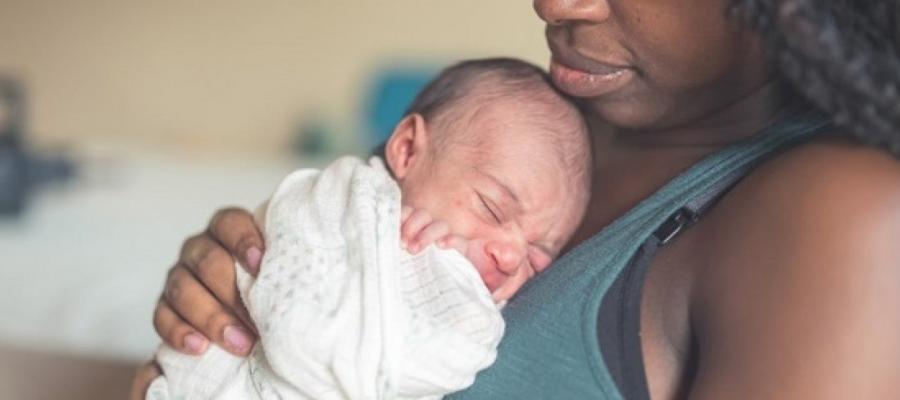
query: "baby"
490, 164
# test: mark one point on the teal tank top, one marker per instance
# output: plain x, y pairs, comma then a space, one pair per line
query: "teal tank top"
550, 349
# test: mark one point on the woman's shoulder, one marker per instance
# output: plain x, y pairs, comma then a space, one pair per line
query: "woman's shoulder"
831, 190
827, 161
829, 178
797, 253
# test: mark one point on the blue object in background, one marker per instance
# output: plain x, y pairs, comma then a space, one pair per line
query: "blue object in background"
393, 90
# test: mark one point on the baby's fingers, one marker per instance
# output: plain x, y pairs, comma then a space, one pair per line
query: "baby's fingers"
430, 234
405, 212
415, 222
454, 242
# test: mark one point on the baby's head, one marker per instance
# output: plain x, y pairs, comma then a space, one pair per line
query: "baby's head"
491, 148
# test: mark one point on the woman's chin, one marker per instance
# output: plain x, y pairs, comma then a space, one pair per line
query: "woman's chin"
627, 113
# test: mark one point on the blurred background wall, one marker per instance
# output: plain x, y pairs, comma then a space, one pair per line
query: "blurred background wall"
233, 74
143, 117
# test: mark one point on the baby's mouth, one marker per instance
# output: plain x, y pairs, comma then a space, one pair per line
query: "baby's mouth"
487, 269
490, 275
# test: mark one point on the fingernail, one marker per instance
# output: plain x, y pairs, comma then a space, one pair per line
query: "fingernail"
238, 339
195, 343
253, 256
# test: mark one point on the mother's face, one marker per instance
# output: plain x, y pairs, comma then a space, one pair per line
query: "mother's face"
646, 64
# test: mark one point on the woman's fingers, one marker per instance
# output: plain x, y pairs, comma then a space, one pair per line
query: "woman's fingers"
187, 300
201, 303
175, 332
235, 229
142, 380
210, 263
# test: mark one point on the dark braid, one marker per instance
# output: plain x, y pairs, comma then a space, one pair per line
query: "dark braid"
843, 56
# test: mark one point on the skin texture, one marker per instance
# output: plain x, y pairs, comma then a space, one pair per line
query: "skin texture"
789, 287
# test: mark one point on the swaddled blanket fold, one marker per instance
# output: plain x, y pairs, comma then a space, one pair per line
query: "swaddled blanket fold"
342, 311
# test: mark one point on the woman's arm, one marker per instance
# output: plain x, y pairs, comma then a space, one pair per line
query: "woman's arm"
801, 297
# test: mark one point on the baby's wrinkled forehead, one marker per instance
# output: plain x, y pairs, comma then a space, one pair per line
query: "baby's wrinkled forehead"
533, 124
493, 113
465, 97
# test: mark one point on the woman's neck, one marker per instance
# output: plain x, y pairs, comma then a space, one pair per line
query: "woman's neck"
630, 165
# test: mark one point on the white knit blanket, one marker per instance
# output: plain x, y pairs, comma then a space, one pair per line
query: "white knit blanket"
342, 311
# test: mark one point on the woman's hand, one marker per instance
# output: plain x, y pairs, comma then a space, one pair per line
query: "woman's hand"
200, 302
142, 379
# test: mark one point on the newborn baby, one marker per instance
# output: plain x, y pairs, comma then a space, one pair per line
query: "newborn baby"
490, 164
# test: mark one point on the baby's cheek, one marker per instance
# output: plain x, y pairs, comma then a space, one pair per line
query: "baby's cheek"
539, 260
524, 275
465, 226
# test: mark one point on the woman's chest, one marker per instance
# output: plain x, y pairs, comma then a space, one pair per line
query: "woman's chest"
667, 340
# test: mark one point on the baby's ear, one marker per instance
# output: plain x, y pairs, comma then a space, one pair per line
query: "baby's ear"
407, 145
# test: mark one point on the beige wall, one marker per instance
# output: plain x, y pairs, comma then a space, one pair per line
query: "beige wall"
229, 74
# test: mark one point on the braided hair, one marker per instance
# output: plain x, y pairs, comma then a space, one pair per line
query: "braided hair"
842, 56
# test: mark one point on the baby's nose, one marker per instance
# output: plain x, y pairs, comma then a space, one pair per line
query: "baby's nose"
508, 256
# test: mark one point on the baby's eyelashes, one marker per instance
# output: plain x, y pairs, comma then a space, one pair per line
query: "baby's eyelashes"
490, 210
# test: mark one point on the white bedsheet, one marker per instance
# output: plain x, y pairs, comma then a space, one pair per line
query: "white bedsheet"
81, 271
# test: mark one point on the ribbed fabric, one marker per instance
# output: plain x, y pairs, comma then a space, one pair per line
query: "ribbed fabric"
551, 350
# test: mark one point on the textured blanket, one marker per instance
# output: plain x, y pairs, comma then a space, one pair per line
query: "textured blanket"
342, 311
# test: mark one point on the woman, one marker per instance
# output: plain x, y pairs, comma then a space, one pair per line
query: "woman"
737, 246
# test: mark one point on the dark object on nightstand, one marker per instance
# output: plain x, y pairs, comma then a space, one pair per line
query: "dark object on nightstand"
12, 157
20, 171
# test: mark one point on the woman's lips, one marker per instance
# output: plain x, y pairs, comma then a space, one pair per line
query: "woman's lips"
581, 83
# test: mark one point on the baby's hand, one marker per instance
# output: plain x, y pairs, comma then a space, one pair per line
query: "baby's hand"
418, 229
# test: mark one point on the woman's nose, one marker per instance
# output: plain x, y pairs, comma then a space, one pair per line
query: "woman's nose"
556, 12
507, 256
